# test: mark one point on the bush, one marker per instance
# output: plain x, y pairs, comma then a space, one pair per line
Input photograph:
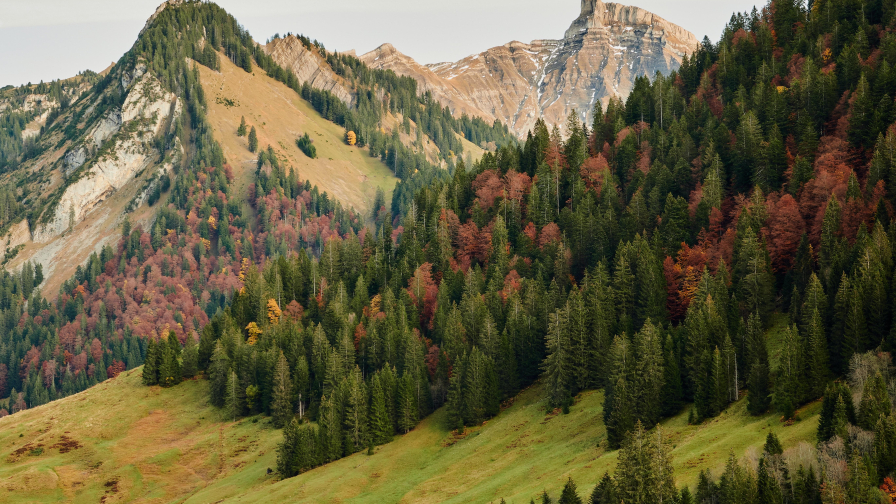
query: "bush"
306, 145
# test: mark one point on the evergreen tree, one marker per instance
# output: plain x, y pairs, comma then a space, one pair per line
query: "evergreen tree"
190, 358
759, 398
605, 491
570, 493
253, 140
644, 473
218, 375
557, 366
875, 402
380, 424
281, 403
235, 397
150, 367
241, 131
169, 367
835, 392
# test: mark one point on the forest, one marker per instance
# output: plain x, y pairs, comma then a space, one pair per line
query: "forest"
645, 253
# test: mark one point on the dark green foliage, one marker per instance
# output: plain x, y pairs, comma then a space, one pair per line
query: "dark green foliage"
150, 366
835, 392
570, 494
306, 145
253, 140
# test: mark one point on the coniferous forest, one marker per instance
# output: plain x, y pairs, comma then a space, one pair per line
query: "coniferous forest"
646, 252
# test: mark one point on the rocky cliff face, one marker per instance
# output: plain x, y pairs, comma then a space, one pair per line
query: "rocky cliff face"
145, 112
599, 57
291, 54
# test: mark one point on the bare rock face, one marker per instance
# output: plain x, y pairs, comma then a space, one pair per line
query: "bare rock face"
291, 54
123, 153
599, 57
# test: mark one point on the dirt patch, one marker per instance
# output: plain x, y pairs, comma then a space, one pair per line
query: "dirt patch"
29, 449
111, 487
66, 444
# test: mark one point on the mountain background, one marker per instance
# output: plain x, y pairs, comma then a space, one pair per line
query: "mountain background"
69, 39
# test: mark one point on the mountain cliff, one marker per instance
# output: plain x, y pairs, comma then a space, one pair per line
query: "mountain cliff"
598, 58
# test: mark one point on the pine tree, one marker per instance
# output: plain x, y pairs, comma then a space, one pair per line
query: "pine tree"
190, 358
407, 404
648, 381
219, 374
379, 423
790, 375
759, 398
281, 401
241, 131
287, 465
672, 387
169, 368
253, 140
150, 368
875, 402
832, 395
644, 473
767, 489
570, 494
557, 366
605, 491
236, 396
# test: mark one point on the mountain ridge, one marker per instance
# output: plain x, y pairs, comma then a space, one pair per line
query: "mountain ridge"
598, 58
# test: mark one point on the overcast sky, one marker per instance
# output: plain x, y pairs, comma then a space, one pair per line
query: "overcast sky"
51, 39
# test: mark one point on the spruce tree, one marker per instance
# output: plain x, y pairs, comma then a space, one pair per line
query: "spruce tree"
758, 383
253, 140
832, 395
190, 358
169, 368
150, 367
407, 404
218, 375
281, 402
875, 402
379, 423
287, 450
557, 365
605, 491
235, 397
570, 494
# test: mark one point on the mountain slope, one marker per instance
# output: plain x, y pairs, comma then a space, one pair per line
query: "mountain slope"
598, 58
280, 117
123, 442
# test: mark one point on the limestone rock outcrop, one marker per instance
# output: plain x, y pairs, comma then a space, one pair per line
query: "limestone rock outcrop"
291, 54
598, 58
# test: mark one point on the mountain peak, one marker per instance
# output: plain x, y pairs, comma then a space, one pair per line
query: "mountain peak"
605, 48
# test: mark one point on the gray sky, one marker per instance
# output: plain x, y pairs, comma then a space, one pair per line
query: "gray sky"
51, 39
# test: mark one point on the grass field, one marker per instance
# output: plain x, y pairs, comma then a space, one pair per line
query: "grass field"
123, 442
280, 116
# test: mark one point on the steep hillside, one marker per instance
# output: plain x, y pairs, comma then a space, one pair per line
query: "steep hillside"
598, 58
280, 116
123, 442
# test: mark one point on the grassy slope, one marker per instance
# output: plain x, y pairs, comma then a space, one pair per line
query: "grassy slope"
155, 445
161, 445
280, 116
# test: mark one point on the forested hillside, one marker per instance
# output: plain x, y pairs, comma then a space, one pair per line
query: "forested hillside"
645, 254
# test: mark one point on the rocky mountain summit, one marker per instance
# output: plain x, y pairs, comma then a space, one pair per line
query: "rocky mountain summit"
598, 58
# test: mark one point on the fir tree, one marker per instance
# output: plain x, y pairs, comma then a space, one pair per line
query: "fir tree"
281, 403
241, 131
253, 140
150, 368
570, 493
